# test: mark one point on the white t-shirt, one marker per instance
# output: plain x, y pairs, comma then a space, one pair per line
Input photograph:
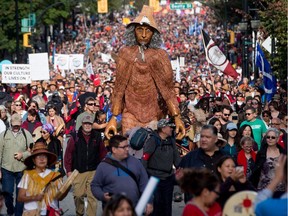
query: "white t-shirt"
34, 204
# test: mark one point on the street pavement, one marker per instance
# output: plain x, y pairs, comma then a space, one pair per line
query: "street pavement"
68, 206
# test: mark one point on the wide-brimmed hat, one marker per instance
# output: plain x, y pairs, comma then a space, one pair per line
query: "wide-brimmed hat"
146, 17
52, 83
59, 77
40, 148
221, 141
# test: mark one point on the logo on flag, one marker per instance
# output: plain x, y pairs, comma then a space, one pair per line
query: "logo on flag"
216, 57
269, 79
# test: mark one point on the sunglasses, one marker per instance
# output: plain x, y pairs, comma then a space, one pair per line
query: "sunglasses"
91, 104
248, 114
17, 104
270, 137
226, 114
254, 103
265, 116
43, 132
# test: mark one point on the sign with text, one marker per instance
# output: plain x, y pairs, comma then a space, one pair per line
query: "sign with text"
16, 73
182, 6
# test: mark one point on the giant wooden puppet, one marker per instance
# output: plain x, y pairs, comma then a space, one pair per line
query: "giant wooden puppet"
144, 78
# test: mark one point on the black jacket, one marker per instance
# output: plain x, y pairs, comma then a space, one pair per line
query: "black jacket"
86, 156
260, 160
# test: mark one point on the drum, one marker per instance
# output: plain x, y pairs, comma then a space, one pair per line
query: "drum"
62, 193
37, 133
240, 204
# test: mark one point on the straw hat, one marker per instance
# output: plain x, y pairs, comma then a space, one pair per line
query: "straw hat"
40, 148
145, 17
59, 77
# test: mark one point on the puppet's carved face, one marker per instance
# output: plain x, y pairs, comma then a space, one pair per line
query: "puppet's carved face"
143, 34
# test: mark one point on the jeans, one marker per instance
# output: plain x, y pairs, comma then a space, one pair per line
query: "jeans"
8, 183
163, 195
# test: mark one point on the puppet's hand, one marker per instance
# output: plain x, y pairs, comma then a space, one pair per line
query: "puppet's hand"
180, 128
111, 128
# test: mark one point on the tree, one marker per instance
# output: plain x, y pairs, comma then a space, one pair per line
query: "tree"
45, 15
275, 25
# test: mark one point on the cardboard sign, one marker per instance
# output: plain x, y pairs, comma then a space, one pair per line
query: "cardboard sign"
76, 61
39, 66
16, 73
61, 62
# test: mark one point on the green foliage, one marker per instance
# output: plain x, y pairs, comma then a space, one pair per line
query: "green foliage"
275, 25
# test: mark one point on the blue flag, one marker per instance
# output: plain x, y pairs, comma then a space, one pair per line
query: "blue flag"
269, 79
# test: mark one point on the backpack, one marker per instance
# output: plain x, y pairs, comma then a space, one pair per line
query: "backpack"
138, 138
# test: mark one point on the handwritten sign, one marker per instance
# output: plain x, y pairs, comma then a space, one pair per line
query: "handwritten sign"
16, 73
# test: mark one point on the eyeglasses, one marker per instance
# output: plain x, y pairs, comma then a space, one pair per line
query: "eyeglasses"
270, 137
248, 114
124, 147
216, 192
43, 132
91, 104
225, 114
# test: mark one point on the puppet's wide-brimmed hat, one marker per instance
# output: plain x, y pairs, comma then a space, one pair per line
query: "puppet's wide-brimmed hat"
145, 17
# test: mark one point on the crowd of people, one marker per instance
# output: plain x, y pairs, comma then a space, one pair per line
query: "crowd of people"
228, 124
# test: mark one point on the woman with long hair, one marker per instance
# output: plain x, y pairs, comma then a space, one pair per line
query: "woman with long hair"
246, 131
231, 135
205, 188
32, 121
232, 179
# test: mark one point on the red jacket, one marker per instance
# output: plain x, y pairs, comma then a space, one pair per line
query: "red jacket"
242, 160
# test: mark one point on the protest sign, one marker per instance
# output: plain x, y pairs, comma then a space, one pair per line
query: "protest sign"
39, 66
16, 73
61, 62
76, 61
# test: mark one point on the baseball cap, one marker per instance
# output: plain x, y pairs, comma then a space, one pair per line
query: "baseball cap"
16, 119
231, 126
165, 122
87, 119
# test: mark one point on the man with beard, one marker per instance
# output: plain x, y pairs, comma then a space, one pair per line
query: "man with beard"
224, 119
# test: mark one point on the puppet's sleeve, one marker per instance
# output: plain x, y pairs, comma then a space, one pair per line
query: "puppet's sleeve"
163, 77
122, 78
